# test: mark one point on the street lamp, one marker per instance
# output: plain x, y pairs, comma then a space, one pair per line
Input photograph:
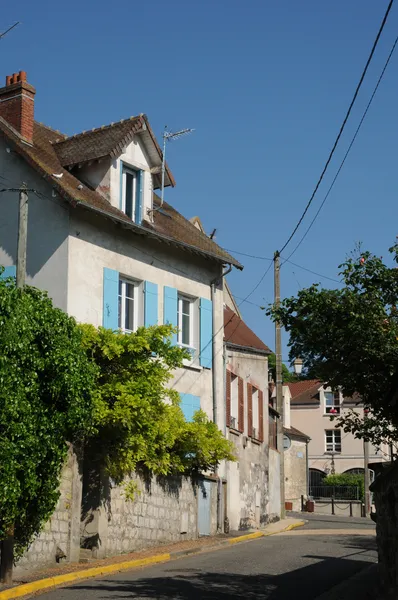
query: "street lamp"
298, 365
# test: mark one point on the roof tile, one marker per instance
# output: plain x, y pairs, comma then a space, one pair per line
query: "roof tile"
236, 332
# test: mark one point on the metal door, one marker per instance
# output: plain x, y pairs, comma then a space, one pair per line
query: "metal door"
204, 508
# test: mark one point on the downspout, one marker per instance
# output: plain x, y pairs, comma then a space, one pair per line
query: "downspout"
213, 285
307, 468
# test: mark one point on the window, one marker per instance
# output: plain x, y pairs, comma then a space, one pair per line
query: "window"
128, 305
272, 429
234, 401
185, 322
131, 190
256, 420
333, 440
332, 403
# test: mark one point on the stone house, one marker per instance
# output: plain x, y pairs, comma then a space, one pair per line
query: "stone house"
295, 452
253, 495
330, 449
109, 253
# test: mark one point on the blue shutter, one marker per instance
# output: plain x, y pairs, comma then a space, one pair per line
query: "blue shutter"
8, 272
111, 292
150, 303
170, 310
189, 405
206, 333
138, 199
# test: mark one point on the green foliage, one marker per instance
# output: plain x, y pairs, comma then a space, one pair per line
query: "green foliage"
348, 337
45, 401
287, 376
346, 479
139, 424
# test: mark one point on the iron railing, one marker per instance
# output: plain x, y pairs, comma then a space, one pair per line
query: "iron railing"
337, 492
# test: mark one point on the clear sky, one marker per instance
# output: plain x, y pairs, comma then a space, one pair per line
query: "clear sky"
265, 85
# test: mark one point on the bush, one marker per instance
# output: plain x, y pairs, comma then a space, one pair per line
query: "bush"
347, 480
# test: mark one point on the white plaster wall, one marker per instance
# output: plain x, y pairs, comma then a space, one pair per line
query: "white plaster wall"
48, 228
95, 243
295, 472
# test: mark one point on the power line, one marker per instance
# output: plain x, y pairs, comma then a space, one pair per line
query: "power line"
9, 29
310, 271
342, 126
349, 148
249, 255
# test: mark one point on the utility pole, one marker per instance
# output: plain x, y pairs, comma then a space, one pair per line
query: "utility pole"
7, 545
366, 470
279, 390
22, 236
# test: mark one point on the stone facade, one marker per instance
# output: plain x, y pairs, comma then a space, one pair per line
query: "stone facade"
59, 539
385, 494
295, 470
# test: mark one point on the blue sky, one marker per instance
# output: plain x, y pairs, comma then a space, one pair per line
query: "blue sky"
264, 84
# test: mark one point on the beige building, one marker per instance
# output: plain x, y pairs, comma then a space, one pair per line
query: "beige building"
330, 449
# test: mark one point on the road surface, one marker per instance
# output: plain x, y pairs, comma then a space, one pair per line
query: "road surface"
303, 563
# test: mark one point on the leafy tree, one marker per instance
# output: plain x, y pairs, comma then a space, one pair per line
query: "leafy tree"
45, 402
139, 424
287, 376
348, 337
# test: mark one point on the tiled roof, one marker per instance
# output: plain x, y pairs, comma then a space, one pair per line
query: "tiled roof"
169, 226
296, 433
305, 392
237, 333
97, 143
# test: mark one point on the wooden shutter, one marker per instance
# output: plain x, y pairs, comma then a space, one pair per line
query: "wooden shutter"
150, 304
228, 398
241, 406
110, 316
206, 333
249, 410
260, 416
170, 309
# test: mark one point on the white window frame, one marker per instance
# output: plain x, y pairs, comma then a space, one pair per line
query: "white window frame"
331, 446
124, 281
336, 403
131, 171
193, 327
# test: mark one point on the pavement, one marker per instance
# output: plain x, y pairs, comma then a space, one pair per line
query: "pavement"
326, 559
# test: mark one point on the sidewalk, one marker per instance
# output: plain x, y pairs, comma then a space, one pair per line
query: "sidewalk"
70, 572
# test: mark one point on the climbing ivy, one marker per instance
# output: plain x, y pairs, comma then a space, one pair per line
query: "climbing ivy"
46, 380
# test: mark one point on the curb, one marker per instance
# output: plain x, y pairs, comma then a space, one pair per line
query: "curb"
52, 582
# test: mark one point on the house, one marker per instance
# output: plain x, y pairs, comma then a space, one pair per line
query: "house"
296, 457
253, 496
109, 253
330, 449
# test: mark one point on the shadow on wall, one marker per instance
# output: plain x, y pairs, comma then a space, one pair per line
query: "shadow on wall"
192, 584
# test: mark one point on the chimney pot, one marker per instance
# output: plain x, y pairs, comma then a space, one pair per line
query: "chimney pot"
22, 75
15, 78
8, 80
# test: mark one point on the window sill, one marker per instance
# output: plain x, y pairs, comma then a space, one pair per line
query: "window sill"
336, 414
256, 441
332, 452
234, 431
190, 365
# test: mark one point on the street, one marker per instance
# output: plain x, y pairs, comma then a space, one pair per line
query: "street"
305, 562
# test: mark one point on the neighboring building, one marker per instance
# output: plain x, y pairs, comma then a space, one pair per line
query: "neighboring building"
253, 497
330, 448
295, 452
108, 253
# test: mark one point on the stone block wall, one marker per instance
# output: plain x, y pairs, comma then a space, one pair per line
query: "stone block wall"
295, 473
58, 533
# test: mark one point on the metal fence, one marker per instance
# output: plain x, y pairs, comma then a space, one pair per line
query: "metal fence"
337, 492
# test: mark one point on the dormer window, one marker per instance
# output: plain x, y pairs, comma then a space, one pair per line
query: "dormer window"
131, 192
332, 403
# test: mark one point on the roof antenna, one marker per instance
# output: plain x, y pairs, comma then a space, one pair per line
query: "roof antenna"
9, 29
168, 136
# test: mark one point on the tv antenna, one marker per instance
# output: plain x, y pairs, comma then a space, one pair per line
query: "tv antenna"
9, 29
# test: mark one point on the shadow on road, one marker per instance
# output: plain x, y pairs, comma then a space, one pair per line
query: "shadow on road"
192, 584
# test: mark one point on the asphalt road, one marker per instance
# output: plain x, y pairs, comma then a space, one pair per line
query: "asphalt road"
302, 564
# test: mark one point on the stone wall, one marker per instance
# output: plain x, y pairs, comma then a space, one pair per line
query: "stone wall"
385, 494
163, 510
274, 502
295, 472
60, 534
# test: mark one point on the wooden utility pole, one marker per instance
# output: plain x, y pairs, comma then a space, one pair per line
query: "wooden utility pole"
22, 236
7, 545
366, 477
279, 390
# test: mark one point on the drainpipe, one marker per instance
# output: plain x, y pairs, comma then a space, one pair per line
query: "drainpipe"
214, 370
307, 468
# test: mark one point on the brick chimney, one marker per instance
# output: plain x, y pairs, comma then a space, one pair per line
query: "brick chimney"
17, 104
